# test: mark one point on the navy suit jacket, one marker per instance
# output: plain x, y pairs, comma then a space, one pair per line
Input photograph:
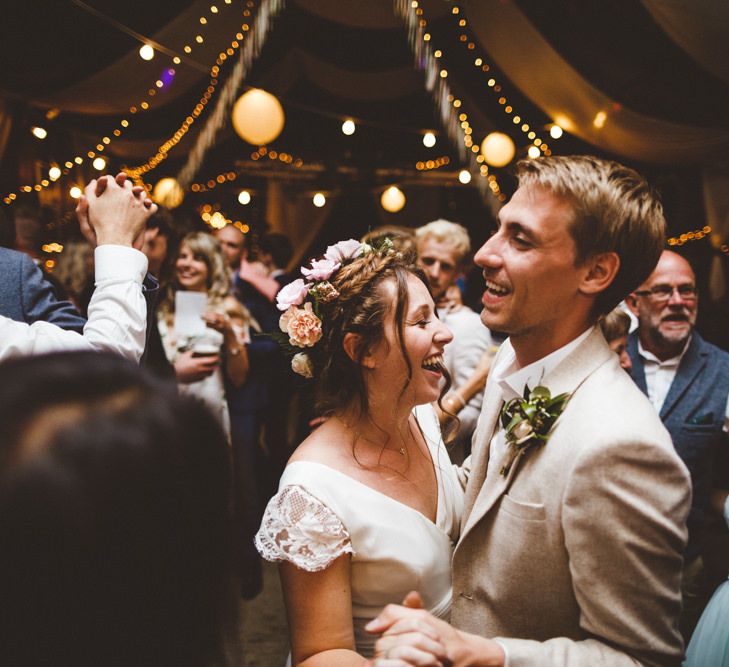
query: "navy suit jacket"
26, 296
693, 413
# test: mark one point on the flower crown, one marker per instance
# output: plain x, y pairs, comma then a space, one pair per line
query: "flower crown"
300, 299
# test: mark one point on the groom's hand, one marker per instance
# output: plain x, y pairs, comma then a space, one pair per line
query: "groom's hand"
413, 636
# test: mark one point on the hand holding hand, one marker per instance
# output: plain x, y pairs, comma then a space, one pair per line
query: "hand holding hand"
113, 211
413, 636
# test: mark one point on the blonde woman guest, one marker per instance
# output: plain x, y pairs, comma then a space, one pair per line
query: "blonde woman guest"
200, 361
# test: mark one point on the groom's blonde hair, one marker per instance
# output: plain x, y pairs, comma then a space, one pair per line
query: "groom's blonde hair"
615, 210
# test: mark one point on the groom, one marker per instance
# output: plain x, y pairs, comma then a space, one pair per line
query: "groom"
572, 554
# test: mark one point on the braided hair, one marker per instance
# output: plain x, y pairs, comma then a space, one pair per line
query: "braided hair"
360, 308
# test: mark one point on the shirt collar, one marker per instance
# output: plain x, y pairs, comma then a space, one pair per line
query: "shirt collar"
512, 379
673, 362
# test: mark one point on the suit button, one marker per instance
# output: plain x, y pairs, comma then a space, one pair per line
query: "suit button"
466, 596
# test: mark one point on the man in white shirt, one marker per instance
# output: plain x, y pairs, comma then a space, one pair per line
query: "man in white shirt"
573, 531
443, 247
115, 215
687, 381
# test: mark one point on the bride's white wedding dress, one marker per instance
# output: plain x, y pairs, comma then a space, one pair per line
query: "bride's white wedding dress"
320, 513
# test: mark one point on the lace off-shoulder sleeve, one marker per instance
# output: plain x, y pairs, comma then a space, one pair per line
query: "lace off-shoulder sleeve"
300, 529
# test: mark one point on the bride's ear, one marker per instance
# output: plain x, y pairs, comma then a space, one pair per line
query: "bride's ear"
352, 345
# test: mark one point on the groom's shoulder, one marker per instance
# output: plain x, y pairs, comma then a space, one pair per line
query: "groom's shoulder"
611, 407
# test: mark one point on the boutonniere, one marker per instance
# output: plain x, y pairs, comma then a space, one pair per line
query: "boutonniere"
528, 421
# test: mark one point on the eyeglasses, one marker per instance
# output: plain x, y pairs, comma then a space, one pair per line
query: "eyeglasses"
660, 293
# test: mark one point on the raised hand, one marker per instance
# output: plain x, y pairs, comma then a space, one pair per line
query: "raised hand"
93, 192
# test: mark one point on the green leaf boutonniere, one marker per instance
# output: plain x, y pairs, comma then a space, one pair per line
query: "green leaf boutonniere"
528, 421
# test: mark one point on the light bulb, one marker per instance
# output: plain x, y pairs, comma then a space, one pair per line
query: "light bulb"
555, 131
146, 52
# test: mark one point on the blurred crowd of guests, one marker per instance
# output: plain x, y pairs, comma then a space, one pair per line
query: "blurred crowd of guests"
263, 409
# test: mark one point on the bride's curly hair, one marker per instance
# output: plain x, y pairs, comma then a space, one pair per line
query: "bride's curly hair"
361, 308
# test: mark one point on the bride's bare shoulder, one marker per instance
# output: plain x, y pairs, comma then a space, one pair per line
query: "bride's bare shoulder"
328, 444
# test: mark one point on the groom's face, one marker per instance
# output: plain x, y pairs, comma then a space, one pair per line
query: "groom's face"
529, 267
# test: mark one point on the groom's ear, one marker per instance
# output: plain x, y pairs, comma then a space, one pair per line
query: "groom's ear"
600, 271
352, 345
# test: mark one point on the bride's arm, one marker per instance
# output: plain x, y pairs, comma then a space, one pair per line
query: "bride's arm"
319, 611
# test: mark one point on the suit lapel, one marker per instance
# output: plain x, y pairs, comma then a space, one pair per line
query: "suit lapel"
487, 425
637, 372
482, 493
691, 365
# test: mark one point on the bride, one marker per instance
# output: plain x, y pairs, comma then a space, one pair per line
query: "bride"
368, 507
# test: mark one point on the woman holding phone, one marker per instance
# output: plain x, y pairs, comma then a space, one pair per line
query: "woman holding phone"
201, 359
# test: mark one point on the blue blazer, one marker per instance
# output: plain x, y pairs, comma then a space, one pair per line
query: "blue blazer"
693, 413
26, 296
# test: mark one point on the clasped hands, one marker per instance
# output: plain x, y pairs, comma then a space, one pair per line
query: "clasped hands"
113, 211
411, 636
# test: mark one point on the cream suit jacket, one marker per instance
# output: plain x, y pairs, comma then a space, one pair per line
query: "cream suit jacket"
575, 557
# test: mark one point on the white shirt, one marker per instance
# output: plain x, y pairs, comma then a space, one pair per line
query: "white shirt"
117, 313
512, 379
659, 377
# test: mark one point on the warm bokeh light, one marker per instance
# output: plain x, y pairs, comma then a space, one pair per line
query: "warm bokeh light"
146, 52
498, 149
168, 193
599, 120
533, 152
75, 192
258, 117
348, 127
244, 197
392, 199
99, 164
429, 140
54, 173
319, 200
555, 131
39, 132
464, 176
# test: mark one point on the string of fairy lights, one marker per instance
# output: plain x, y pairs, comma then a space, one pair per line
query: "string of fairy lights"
164, 149
146, 52
492, 83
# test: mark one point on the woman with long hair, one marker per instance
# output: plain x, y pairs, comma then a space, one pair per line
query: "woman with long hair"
201, 359
368, 507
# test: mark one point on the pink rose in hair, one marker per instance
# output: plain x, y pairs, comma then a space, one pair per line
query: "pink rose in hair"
321, 269
292, 294
343, 250
302, 326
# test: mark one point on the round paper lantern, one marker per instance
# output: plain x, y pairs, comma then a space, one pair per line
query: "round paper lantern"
258, 117
168, 193
498, 149
392, 199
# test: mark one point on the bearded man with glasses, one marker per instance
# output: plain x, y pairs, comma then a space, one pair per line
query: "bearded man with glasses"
687, 380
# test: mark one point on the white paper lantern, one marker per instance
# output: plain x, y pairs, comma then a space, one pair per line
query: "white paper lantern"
392, 199
498, 149
168, 193
258, 117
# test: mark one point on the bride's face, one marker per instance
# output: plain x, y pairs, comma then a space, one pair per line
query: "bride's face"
424, 337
